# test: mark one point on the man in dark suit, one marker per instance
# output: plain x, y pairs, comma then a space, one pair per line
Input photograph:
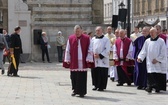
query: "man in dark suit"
16, 50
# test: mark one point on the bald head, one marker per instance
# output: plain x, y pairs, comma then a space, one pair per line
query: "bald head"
158, 28
122, 33
145, 31
109, 29
99, 30
117, 33
153, 32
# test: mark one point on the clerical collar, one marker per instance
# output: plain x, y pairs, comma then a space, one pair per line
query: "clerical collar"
99, 37
155, 39
79, 37
123, 38
148, 36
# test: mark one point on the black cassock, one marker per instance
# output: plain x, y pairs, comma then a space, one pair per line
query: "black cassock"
79, 82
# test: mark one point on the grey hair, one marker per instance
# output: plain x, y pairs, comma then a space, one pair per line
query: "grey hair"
160, 27
98, 27
77, 27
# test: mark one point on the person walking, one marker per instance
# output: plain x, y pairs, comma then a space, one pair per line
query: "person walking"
3, 44
154, 50
101, 50
15, 50
140, 70
6, 51
77, 57
122, 55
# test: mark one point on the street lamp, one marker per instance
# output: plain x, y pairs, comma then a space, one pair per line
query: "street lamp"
128, 17
122, 14
121, 5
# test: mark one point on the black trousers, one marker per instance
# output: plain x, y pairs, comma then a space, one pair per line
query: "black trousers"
123, 77
17, 59
79, 82
4, 58
157, 81
93, 74
60, 53
100, 77
45, 52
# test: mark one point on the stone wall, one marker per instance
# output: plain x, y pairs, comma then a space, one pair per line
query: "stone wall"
62, 15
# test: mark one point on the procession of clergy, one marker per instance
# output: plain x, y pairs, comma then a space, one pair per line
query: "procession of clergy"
140, 59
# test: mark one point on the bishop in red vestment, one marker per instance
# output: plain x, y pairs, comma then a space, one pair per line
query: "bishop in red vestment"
122, 56
78, 58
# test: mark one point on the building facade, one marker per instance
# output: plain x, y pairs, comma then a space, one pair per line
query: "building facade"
3, 14
150, 11
50, 16
111, 7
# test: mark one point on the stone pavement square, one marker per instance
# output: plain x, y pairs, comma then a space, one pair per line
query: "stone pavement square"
49, 84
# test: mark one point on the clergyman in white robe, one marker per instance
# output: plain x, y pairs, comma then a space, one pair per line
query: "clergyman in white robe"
155, 50
101, 50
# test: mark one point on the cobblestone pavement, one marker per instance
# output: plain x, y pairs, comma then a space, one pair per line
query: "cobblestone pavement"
49, 84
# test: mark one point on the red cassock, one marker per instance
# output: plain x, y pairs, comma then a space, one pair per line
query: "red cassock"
85, 42
126, 45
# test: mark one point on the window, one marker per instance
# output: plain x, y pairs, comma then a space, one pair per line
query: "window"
149, 6
1, 16
135, 6
157, 4
163, 24
143, 6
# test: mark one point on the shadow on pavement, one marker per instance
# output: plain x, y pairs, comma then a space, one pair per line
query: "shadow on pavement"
161, 93
27, 77
101, 98
110, 91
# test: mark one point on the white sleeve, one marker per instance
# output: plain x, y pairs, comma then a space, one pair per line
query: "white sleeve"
143, 52
130, 51
106, 50
115, 56
67, 53
162, 56
90, 52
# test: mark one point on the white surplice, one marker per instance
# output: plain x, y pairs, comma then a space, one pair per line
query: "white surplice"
101, 46
167, 54
89, 57
134, 36
154, 50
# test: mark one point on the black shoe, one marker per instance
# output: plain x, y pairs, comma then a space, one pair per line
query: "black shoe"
148, 89
8, 74
43, 61
73, 94
119, 84
157, 91
95, 88
2, 72
139, 87
15, 75
100, 89
112, 79
128, 84
81, 96
49, 62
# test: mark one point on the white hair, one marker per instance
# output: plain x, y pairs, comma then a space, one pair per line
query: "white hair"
77, 27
